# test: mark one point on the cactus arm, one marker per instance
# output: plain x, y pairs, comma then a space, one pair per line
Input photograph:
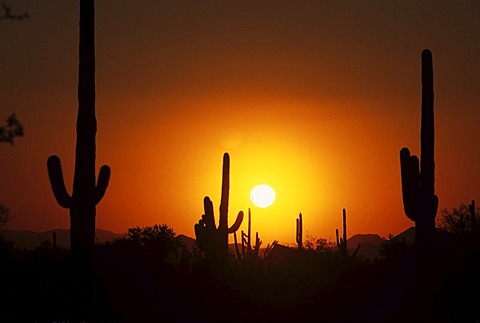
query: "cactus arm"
243, 244
57, 183
208, 217
410, 174
258, 243
237, 223
102, 183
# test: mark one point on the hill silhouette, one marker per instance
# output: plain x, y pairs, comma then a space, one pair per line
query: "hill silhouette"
370, 244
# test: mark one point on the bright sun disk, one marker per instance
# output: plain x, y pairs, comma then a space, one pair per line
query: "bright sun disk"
262, 196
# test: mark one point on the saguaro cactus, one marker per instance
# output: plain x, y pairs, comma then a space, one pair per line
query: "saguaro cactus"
214, 240
299, 235
418, 181
249, 251
342, 242
86, 193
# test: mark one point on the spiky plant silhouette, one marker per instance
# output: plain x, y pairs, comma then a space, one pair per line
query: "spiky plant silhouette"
418, 180
86, 193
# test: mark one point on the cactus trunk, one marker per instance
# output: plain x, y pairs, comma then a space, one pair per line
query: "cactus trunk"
299, 238
82, 212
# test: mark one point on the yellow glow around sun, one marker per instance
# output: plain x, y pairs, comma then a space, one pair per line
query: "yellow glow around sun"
262, 196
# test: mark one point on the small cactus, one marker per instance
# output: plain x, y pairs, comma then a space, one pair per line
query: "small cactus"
299, 235
342, 242
248, 250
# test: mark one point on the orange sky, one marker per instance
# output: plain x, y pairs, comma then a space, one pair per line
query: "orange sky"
315, 98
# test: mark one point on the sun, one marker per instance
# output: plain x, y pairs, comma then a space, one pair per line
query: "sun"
262, 196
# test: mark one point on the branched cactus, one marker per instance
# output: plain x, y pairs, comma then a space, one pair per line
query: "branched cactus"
299, 235
211, 239
86, 192
249, 251
418, 180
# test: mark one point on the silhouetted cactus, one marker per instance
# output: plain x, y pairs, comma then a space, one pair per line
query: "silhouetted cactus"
418, 181
211, 239
299, 235
249, 251
86, 193
247, 238
342, 242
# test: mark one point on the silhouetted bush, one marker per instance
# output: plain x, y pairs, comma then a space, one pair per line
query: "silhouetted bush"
318, 244
457, 220
157, 243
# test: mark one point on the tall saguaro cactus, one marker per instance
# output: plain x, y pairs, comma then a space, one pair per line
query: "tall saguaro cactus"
86, 192
214, 240
418, 181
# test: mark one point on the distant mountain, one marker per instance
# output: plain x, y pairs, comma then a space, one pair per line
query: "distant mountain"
31, 239
369, 247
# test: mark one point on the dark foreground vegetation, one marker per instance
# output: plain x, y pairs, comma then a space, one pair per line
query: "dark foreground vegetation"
152, 276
